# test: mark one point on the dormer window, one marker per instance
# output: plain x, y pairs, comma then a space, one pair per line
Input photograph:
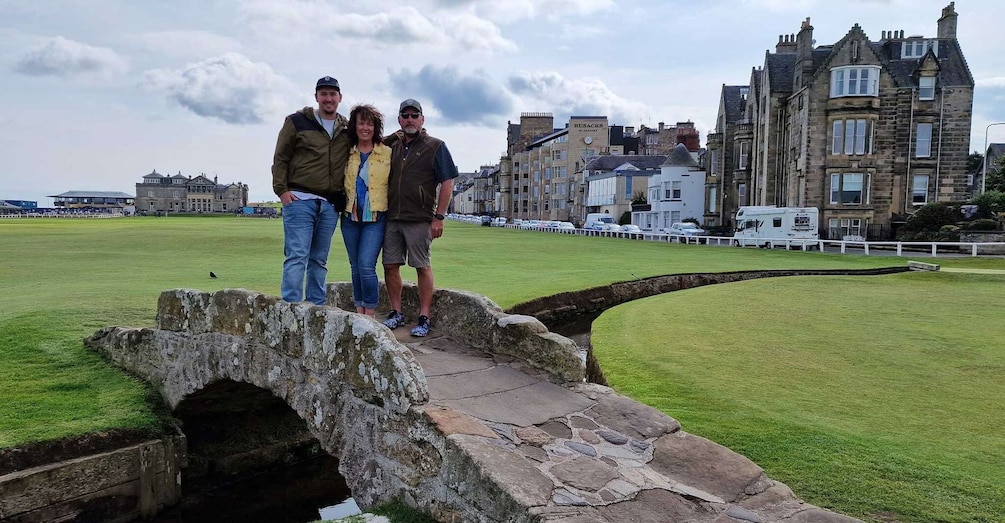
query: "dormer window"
926, 88
918, 48
854, 81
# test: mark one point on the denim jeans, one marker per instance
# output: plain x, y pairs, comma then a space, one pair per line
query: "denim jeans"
308, 226
363, 241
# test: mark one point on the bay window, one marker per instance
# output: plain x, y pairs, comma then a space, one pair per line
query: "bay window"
855, 81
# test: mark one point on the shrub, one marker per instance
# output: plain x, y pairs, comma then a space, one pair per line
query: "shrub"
930, 218
626, 218
983, 224
989, 203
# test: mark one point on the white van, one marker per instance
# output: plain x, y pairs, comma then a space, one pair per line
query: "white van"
770, 226
598, 221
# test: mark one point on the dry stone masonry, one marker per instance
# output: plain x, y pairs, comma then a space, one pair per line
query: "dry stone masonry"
486, 420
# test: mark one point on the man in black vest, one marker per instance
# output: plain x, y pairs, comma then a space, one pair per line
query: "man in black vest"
415, 210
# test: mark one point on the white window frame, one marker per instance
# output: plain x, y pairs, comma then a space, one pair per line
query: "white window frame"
741, 193
923, 141
919, 191
675, 190
837, 188
667, 191
926, 88
918, 48
712, 199
855, 81
714, 162
743, 152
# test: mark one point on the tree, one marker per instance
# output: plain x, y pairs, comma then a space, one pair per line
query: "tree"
974, 161
996, 176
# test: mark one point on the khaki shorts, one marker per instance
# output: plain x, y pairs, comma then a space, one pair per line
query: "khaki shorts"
411, 238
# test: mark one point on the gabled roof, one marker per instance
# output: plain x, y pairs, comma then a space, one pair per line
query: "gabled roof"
953, 69
612, 162
680, 157
153, 175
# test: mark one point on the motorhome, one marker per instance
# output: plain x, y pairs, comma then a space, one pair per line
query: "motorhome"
770, 226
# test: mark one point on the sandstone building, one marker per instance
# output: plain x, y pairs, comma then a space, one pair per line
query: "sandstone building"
187, 194
867, 131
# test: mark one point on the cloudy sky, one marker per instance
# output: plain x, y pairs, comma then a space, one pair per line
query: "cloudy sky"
96, 94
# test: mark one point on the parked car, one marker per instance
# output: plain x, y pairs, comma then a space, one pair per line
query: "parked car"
486, 221
684, 230
612, 227
566, 225
499, 222
517, 221
632, 228
529, 224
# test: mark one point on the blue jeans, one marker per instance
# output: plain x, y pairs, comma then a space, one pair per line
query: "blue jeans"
363, 241
308, 226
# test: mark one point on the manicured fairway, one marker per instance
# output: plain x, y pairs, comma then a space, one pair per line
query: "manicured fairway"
881, 397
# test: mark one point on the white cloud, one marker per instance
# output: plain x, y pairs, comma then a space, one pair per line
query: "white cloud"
230, 88
568, 97
187, 44
395, 26
516, 10
996, 81
62, 57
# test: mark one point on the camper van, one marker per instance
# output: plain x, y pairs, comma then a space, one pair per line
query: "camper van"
770, 226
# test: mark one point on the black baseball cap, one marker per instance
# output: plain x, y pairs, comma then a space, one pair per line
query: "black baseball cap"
327, 81
411, 102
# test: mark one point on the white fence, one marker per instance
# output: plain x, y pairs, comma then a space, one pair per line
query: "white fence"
933, 249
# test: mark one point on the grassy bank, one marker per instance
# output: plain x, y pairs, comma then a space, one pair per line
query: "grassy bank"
878, 397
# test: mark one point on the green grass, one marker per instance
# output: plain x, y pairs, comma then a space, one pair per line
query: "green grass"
879, 397
62, 280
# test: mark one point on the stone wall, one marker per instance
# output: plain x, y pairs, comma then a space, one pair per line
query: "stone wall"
984, 237
121, 485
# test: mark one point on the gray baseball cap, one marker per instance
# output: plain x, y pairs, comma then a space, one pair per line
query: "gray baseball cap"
411, 102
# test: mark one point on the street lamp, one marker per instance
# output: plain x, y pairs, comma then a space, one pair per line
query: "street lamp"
984, 164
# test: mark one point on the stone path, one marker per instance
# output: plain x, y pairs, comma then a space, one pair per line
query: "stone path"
578, 453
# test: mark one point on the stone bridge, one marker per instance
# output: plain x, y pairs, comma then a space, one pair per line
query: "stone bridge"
488, 419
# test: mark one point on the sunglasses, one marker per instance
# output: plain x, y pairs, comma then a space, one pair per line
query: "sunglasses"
407, 116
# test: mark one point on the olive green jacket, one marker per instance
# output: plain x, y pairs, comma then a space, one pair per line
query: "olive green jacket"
307, 159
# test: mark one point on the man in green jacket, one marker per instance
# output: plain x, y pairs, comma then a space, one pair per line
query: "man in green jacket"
308, 172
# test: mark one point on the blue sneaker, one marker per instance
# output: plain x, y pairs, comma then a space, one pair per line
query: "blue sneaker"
421, 327
394, 320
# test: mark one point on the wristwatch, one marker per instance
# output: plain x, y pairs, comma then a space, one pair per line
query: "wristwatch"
439, 217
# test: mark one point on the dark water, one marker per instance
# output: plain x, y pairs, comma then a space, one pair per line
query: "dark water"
308, 491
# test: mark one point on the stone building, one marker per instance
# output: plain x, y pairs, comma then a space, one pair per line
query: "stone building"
187, 194
866, 131
541, 174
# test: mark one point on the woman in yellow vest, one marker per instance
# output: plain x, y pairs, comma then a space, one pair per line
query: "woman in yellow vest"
366, 177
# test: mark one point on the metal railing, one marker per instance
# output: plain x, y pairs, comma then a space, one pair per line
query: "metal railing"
867, 248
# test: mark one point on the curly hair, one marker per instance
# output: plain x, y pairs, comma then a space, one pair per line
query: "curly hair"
367, 113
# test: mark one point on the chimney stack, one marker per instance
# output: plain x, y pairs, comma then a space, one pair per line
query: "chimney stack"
786, 44
947, 23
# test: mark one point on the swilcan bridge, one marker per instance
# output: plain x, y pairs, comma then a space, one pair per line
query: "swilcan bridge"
488, 419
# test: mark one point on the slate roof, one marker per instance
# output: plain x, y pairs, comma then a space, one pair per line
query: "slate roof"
952, 64
613, 161
680, 157
733, 102
91, 194
781, 68
154, 174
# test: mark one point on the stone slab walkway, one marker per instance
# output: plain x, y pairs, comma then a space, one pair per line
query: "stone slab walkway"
578, 453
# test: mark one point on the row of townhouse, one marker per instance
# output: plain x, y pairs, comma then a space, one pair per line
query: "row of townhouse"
866, 131
562, 174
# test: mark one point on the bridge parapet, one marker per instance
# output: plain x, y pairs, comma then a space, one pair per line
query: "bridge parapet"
478, 322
